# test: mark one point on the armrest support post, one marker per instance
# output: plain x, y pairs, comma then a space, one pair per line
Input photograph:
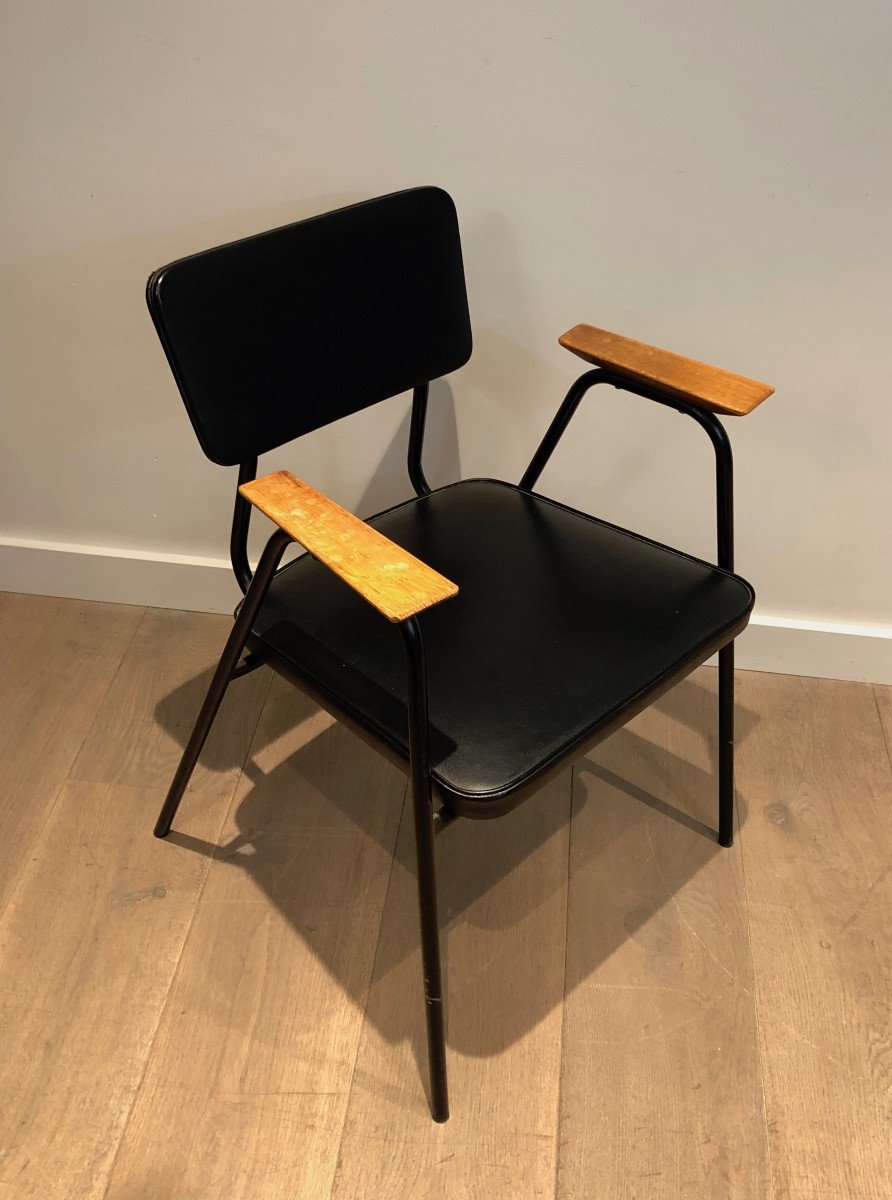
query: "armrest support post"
419, 771
724, 484
416, 704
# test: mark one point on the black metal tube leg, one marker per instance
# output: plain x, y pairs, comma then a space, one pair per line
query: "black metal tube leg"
270, 559
726, 745
430, 960
419, 770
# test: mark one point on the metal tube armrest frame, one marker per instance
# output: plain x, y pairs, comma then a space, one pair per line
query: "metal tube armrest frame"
724, 489
724, 464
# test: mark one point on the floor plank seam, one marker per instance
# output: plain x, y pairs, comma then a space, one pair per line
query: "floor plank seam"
560, 1084
760, 1039
396, 839
694, 1004
162, 1008
51, 808
886, 743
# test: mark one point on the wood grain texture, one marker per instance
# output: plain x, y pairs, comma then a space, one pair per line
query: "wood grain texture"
701, 385
661, 1088
94, 932
817, 855
248, 1081
883, 697
57, 659
502, 889
148, 713
390, 578
718, 1028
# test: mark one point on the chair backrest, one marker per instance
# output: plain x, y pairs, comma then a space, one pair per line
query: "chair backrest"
278, 334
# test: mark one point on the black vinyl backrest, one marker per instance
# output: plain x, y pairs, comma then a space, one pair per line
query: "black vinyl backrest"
278, 334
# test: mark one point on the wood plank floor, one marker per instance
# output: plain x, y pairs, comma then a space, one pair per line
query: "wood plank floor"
236, 1012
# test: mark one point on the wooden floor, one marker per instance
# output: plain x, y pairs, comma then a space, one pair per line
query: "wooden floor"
236, 1012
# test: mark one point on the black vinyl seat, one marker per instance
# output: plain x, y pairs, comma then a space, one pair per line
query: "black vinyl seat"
564, 627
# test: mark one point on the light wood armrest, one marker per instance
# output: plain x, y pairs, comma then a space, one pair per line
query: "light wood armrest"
705, 387
390, 578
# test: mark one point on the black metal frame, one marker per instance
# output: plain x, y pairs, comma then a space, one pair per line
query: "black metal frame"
724, 492
422, 810
427, 822
227, 670
416, 441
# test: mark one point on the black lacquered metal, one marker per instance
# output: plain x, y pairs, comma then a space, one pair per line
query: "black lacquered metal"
707, 420
556, 429
726, 745
416, 440
419, 772
266, 568
724, 489
241, 520
248, 664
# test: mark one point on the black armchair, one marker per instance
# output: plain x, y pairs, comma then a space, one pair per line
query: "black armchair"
480, 634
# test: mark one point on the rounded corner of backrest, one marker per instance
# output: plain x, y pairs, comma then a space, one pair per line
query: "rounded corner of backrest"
153, 299
442, 206
442, 196
469, 348
445, 212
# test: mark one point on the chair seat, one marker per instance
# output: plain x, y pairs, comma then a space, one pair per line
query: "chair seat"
564, 627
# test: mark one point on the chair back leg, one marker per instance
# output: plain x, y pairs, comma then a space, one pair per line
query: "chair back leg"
726, 745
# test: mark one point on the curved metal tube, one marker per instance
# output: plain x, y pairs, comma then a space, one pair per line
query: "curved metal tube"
724, 481
555, 430
416, 440
724, 494
241, 519
724, 463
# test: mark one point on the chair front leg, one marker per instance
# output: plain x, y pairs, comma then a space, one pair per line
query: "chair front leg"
422, 808
232, 651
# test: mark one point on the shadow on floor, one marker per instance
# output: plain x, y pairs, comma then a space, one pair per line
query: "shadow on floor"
473, 857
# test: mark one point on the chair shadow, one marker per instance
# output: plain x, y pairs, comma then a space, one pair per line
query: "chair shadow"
473, 857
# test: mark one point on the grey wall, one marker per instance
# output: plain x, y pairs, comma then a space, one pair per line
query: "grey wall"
711, 177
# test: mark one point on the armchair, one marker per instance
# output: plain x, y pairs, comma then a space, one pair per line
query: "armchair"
480, 635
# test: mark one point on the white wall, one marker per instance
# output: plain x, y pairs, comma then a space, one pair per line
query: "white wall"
711, 177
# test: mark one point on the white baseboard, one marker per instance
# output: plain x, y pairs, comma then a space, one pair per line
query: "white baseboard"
831, 650
788, 645
117, 576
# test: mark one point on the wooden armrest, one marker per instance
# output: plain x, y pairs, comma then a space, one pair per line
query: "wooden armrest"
390, 578
701, 385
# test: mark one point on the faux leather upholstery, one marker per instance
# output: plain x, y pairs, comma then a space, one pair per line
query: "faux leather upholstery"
564, 627
276, 335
